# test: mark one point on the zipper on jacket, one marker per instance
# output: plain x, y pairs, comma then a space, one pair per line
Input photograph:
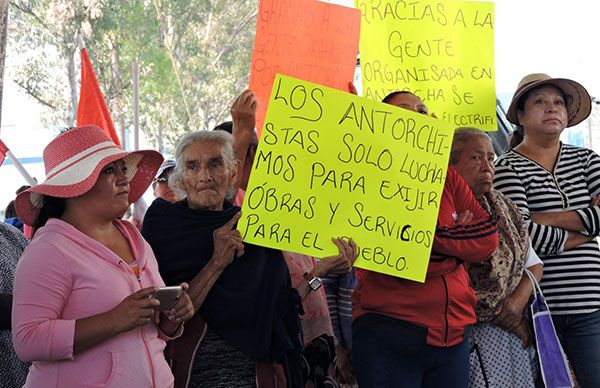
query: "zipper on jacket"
146, 347
445, 310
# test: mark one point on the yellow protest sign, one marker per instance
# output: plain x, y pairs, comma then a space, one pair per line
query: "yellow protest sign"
443, 51
334, 164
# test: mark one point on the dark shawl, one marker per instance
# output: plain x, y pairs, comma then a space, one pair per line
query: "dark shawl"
252, 305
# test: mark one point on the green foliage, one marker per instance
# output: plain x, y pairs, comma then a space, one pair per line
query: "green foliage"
193, 57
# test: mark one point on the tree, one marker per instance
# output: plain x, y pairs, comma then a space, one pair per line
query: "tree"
3, 31
194, 58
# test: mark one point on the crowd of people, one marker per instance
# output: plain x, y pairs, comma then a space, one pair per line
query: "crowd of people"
81, 305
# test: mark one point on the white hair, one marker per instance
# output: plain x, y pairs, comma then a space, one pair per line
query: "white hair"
224, 139
461, 136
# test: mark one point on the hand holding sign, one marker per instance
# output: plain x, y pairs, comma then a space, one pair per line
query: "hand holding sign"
341, 263
330, 163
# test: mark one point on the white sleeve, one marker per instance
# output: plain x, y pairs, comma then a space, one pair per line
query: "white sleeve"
532, 257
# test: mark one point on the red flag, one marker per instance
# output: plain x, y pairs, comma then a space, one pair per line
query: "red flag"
3, 149
92, 107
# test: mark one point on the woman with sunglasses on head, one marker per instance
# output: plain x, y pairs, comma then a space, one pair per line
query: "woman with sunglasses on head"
557, 187
83, 307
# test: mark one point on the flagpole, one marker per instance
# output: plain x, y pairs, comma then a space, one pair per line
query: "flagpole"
21, 169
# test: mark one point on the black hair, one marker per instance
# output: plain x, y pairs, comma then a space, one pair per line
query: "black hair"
53, 207
10, 211
226, 126
390, 96
516, 137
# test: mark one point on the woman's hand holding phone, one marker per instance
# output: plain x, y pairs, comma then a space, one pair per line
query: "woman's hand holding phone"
135, 310
180, 309
167, 296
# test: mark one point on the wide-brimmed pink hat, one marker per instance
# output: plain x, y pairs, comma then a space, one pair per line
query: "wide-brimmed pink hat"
73, 161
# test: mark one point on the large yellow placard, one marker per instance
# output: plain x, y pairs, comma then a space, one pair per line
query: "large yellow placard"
334, 164
443, 51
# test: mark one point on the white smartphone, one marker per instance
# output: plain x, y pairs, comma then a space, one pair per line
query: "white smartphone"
167, 296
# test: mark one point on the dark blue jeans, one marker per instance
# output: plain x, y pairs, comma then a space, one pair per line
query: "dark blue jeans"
579, 335
385, 357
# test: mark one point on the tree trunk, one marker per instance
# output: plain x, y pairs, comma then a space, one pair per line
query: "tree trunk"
117, 112
159, 138
3, 33
72, 119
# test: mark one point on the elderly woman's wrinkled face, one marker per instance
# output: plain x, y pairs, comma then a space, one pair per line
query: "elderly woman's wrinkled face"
476, 164
544, 111
207, 175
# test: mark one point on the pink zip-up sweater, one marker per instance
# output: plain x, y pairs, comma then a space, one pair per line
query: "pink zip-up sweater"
65, 275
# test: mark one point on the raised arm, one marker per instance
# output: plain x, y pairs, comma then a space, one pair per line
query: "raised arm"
243, 114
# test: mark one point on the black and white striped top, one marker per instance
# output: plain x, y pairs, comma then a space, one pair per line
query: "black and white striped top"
571, 281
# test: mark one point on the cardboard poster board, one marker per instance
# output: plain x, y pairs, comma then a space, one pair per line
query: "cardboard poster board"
332, 164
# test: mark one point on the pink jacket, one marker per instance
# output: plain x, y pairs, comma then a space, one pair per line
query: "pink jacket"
65, 275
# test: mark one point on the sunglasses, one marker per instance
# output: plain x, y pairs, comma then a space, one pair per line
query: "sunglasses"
162, 180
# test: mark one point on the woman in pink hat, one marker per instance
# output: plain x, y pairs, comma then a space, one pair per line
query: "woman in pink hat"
557, 187
83, 311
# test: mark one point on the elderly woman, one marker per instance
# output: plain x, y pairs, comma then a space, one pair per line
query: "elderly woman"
243, 292
12, 243
557, 185
83, 310
414, 334
308, 274
319, 352
502, 356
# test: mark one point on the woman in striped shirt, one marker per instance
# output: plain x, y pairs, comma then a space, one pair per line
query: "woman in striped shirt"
556, 186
